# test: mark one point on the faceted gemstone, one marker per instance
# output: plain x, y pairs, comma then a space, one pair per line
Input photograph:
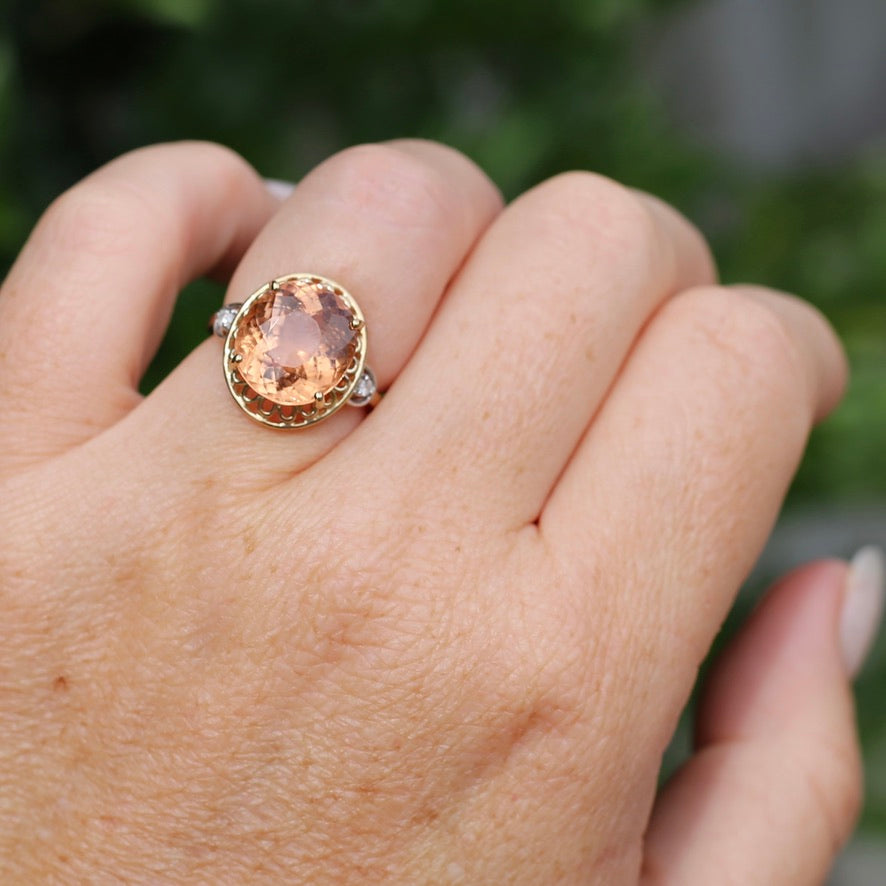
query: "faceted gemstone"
295, 342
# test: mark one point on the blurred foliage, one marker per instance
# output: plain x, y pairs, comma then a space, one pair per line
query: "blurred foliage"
526, 89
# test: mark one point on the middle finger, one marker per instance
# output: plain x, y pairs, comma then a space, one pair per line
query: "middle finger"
530, 337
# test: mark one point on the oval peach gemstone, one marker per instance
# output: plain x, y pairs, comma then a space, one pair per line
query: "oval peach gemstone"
295, 341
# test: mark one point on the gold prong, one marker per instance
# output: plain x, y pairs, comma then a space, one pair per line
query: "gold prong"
236, 358
356, 323
274, 285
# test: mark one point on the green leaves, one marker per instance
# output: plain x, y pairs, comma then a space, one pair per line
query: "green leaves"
184, 13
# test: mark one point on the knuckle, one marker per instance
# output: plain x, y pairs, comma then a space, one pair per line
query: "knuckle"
97, 219
446, 157
226, 168
190, 152
594, 208
106, 214
751, 339
396, 189
213, 154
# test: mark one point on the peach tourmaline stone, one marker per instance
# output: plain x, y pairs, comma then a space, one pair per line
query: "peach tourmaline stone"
295, 341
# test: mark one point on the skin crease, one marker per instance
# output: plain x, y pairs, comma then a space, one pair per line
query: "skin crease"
431, 644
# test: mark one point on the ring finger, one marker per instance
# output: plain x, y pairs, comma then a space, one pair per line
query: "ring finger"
391, 223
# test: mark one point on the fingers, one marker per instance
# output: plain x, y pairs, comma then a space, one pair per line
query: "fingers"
774, 787
530, 337
83, 309
391, 223
679, 479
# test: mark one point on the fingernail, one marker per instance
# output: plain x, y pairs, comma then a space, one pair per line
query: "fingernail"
279, 189
862, 607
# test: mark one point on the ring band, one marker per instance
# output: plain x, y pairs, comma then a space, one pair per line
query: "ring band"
295, 351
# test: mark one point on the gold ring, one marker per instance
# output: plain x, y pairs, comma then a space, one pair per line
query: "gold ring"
295, 351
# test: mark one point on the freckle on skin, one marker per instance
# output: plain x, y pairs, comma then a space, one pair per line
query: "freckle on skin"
60, 683
125, 577
426, 815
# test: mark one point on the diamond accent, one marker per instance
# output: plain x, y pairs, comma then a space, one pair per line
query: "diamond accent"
223, 318
364, 390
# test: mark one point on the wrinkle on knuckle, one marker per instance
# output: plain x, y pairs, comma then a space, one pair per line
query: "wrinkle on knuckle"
393, 189
745, 329
755, 350
98, 220
606, 220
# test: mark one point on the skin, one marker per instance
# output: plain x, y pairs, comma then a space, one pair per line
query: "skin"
443, 642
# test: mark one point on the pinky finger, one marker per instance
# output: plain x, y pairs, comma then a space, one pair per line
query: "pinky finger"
774, 787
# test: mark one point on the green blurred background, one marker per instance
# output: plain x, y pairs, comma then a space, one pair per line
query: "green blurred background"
745, 118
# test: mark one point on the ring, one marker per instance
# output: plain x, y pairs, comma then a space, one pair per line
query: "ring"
295, 351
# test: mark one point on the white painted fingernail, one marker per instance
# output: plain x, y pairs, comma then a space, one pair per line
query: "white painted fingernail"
279, 189
862, 607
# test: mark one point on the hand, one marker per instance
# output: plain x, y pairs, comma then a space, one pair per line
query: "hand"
444, 642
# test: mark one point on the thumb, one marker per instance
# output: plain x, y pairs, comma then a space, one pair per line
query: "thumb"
774, 787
